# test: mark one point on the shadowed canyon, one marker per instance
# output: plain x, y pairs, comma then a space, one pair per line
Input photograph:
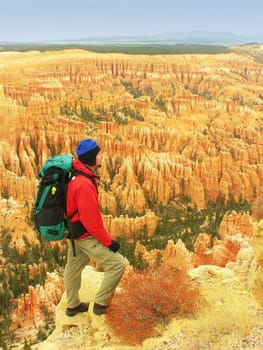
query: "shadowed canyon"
180, 134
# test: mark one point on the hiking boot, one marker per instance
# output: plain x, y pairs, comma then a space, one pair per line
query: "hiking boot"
99, 309
83, 307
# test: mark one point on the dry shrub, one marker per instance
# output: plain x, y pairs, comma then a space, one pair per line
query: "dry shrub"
149, 297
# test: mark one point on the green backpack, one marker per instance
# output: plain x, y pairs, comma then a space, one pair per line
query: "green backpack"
50, 216
50, 201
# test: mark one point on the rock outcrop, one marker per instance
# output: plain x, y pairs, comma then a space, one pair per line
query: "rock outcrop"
256, 283
223, 288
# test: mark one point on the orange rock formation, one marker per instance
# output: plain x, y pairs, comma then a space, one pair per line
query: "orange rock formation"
40, 302
170, 127
235, 234
208, 140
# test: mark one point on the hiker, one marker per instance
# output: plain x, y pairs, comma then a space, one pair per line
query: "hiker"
96, 242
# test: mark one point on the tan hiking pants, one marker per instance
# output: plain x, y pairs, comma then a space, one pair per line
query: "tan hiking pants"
86, 249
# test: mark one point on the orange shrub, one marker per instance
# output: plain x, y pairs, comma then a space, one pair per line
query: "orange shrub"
149, 297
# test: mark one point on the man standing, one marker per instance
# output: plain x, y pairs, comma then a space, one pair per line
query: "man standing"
95, 242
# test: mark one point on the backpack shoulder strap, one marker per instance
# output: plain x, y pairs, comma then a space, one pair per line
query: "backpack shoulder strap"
77, 172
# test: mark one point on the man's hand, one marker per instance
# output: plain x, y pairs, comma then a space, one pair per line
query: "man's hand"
115, 246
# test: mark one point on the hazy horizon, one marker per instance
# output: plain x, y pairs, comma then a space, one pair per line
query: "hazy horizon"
31, 20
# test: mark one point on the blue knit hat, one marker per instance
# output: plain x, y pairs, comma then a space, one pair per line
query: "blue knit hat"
87, 151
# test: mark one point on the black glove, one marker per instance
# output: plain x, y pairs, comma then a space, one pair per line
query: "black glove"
115, 246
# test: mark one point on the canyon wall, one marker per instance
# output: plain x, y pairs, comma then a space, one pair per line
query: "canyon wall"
200, 136
171, 127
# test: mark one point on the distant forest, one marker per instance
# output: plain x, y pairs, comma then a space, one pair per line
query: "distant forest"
142, 49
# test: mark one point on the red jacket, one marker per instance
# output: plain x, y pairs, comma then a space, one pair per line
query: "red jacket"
82, 196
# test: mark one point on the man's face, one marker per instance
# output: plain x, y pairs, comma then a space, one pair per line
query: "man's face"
99, 158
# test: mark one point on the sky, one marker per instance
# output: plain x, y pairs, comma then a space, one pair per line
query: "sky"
39, 20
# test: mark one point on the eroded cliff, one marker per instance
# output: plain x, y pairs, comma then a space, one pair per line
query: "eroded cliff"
171, 127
